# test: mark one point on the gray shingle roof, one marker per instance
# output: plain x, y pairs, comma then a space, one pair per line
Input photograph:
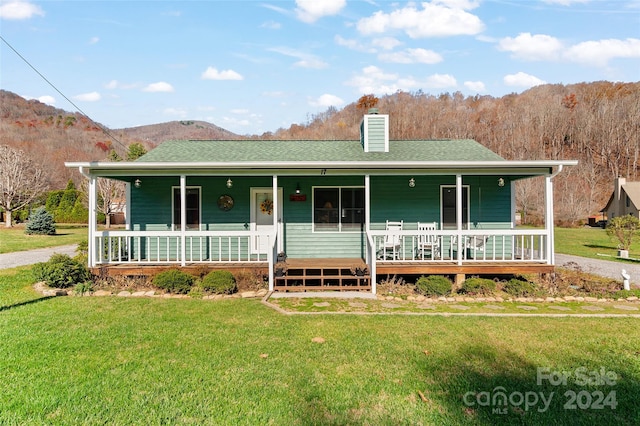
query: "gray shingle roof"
317, 150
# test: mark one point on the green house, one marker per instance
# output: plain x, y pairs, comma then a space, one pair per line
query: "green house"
398, 206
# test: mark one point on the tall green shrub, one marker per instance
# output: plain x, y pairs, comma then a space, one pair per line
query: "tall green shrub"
434, 285
40, 222
174, 281
61, 271
220, 282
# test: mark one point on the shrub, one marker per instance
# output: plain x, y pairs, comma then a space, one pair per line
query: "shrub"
219, 282
476, 285
40, 222
519, 288
174, 281
433, 285
81, 288
61, 271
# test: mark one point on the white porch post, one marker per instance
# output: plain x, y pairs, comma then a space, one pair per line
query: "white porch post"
183, 220
271, 254
459, 217
370, 254
548, 219
93, 218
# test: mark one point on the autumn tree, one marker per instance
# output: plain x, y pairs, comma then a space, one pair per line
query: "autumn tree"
21, 181
367, 101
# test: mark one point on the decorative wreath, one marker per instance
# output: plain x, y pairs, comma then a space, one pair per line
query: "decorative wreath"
267, 207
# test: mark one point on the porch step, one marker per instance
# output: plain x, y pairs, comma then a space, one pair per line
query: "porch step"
322, 275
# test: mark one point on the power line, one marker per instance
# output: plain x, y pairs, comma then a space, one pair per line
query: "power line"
104, 129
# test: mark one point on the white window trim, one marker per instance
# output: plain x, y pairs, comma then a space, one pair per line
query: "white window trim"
339, 188
173, 208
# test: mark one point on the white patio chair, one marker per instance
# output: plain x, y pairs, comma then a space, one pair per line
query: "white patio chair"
475, 244
428, 244
392, 243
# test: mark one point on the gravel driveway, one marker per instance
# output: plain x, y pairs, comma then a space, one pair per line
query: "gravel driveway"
29, 257
602, 267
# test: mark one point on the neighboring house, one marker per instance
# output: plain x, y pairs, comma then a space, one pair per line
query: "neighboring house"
624, 200
325, 204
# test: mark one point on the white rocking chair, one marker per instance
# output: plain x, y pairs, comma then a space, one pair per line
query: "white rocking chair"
428, 246
392, 243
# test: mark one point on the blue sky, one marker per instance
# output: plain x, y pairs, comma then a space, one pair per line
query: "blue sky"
256, 66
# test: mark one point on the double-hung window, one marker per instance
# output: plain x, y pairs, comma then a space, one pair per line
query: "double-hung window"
192, 207
338, 209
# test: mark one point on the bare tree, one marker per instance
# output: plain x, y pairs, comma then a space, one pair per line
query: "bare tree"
21, 181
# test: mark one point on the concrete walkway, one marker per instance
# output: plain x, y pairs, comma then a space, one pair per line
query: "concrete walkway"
29, 257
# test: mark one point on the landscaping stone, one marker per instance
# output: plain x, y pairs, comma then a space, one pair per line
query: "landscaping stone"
124, 293
579, 299
538, 299
420, 298
499, 299
451, 299
569, 298
248, 294
150, 293
138, 294
632, 298
262, 292
357, 304
441, 299
592, 308
550, 299
560, 308
390, 305
494, 307
102, 293
626, 307
460, 307
527, 308
425, 306
590, 299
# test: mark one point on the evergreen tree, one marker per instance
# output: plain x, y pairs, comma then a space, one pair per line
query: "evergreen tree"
40, 222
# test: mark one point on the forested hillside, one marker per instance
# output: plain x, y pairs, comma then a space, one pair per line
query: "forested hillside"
596, 123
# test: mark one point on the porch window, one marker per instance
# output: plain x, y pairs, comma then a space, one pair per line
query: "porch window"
192, 208
338, 209
448, 206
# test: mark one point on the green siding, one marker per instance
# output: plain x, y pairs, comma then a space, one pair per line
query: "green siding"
391, 199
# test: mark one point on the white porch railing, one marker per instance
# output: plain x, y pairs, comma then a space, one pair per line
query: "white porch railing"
487, 245
152, 247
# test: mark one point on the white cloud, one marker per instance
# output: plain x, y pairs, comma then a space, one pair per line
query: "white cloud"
271, 25
438, 18
242, 111
326, 101
18, 10
475, 86
529, 47
94, 40
45, 99
411, 56
522, 80
386, 43
212, 73
175, 112
599, 53
160, 86
311, 10
374, 80
88, 97
306, 60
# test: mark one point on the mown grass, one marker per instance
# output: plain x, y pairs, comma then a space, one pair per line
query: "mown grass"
590, 242
151, 361
14, 239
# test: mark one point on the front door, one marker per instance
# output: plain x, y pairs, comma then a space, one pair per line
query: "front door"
262, 218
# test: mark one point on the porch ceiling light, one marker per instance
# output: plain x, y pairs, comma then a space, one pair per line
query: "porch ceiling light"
412, 183
229, 183
500, 182
137, 183
298, 188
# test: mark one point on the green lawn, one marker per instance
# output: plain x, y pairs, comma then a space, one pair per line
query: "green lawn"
14, 239
151, 361
590, 242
